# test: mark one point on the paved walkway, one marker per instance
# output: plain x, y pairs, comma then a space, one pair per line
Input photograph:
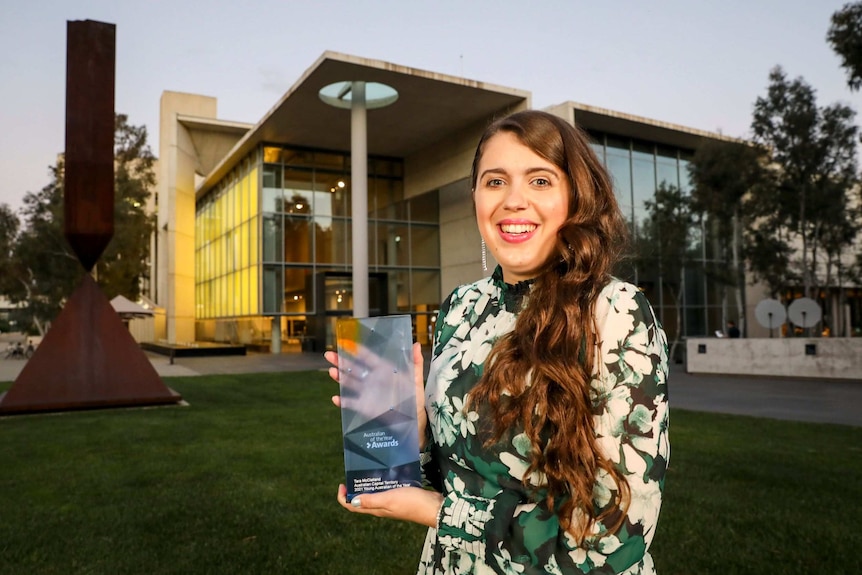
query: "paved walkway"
819, 401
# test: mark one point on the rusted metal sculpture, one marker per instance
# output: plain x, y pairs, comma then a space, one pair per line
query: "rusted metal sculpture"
88, 359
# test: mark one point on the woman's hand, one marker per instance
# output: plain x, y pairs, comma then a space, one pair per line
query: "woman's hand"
406, 503
418, 365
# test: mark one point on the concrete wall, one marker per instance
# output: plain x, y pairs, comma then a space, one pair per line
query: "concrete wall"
834, 357
176, 217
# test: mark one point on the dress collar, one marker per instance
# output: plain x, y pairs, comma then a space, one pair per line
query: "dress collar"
512, 295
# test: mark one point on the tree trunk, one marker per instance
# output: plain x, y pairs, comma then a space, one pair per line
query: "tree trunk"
739, 273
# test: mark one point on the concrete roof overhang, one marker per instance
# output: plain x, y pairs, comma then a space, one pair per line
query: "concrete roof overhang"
640, 128
430, 106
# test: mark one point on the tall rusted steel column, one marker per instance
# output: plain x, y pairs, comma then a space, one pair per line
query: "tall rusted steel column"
89, 165
88, 358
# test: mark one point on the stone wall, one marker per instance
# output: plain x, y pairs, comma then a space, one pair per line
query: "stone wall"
824, 358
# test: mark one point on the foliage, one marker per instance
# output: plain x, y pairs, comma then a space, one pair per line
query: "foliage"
807, 209
243, 481
723, 174
44, 271
664, 240
9, 226
845, 37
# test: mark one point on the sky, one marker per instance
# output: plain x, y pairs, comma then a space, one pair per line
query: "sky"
689, 62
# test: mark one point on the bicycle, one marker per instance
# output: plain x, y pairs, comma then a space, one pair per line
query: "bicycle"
18, 351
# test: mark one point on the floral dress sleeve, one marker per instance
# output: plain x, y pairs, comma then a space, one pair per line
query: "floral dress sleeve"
504, 523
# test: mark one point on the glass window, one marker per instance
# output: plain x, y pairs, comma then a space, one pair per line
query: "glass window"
385, 167
273, 288
297, 157
425, 208
331, 162
599, 151
338, 293
695, 321
272, 200
425, 290
685, 183
425, 246
337, 201
619, 167
393, 244
332, 241
298, 191
272, 239
297, 290
272, 176
643, 185
667, 174
385, 199
297, 239
695, 284
615, 143
398, 284
271, 155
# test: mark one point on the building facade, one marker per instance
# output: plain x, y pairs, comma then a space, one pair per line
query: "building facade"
254, 238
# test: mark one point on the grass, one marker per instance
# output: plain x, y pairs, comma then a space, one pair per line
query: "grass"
243, 482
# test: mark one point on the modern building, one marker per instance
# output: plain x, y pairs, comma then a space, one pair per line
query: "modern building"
254, 220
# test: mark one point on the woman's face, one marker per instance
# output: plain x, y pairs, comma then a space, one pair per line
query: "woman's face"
522, 200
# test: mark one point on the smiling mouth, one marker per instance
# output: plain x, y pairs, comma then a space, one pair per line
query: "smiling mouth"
517, 228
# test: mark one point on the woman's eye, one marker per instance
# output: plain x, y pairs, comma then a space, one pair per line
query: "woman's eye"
542, 182
494, 182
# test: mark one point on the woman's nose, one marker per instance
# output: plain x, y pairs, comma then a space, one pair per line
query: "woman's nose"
516, 197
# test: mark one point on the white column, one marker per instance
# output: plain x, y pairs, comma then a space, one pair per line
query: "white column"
275, 335
359, 197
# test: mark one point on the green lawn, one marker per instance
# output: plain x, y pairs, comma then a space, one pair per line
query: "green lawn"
243, 481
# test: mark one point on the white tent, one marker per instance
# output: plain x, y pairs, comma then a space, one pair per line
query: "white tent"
127, 309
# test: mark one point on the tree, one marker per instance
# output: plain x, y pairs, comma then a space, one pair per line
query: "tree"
845, 37
9, 225
723, 173
806, 209
45, 271
665, 239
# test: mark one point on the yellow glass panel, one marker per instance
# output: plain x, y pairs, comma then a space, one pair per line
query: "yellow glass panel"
237, 205
206, 301
243, 246
236, 278
221, 307
253, 192
213, 229
254, 290
253, 241
245, 197
271, 155
219, 214
244, 299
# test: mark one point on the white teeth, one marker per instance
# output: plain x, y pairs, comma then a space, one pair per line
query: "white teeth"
517, 228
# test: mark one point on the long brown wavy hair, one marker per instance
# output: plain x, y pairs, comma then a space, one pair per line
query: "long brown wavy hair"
553, 343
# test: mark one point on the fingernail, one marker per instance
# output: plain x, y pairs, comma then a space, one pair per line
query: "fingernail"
356, 502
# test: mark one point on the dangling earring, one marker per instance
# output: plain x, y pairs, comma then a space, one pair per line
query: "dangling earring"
484, 257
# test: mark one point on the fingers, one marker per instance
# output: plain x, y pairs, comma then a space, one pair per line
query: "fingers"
336, 400
332, 357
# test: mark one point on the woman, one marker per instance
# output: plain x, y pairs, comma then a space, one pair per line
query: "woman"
546, 402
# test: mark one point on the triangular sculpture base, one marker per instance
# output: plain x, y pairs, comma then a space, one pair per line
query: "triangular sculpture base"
88, 359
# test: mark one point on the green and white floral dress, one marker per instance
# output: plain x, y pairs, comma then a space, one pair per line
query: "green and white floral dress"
490, 522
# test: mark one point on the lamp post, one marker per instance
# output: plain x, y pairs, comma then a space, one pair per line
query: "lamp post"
359, 96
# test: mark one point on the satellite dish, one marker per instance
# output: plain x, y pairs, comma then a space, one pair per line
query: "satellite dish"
770, 313
804, 312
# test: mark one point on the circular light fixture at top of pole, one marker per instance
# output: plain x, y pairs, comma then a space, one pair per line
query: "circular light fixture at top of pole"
340, 95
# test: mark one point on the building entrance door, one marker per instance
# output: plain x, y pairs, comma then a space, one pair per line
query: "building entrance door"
335, 299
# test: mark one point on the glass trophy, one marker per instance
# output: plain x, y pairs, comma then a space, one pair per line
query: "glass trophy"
378, 403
